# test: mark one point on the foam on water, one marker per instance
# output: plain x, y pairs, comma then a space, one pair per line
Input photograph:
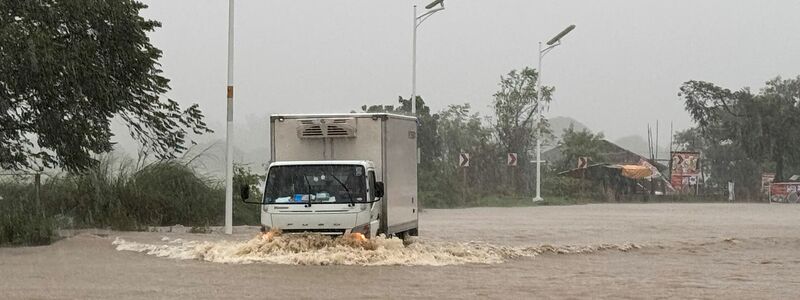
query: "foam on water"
310, 249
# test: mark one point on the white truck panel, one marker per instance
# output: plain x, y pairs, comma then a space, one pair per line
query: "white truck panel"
401, 171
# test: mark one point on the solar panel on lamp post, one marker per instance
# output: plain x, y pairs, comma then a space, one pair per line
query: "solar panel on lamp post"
552, 43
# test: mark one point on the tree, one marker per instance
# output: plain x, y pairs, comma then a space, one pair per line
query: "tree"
428, 124
459, 131
722, 161
763, 126
576, 144
68, 68
515, 106
690, 139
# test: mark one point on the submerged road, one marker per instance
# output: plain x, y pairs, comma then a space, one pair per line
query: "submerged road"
740, 251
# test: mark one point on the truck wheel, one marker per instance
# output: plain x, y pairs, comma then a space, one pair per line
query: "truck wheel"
409, 237
413, 232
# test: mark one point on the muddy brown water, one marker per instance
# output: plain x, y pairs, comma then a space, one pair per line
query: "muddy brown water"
741, 251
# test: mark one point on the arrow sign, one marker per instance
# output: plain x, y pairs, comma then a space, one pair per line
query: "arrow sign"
583, 162
512, 160
463, 160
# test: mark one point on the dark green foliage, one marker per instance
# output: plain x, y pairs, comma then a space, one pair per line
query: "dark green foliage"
444, 135
68, 68
22, 221
515, 121
515, 107
243, 213
572, 188
116, 196
742, 134
119, 196
580, 143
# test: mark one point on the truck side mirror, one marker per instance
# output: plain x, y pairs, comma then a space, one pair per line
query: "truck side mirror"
245, 192
378, 189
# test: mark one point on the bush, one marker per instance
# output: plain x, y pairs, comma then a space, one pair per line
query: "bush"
119, 196
159, 194
572, 188
243, 213
22, 220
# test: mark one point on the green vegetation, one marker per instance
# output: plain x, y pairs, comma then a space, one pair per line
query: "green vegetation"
119, 196
742, 134
68, 68
21, 219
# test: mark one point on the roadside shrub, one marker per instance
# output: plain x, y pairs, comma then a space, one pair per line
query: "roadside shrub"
244, 213
572, 188
123, 196
22, 220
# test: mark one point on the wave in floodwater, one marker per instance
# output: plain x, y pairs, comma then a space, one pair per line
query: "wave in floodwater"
312, 249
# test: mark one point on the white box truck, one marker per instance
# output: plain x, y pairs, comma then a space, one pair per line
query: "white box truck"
341, 174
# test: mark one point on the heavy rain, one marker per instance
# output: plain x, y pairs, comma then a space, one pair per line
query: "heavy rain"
408, 149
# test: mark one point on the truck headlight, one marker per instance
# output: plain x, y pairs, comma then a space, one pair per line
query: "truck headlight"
362, 229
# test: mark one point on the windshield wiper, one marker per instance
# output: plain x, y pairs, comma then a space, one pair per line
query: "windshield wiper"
349, 194
308, 188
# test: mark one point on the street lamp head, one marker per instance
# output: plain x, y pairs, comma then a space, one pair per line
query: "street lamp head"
558, 37
434, 3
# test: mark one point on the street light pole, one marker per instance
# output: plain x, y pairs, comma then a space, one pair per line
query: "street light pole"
414, 66
539, 129
417, 22
555, 41
229, 130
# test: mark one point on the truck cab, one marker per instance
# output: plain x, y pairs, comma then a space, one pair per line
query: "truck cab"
328, 197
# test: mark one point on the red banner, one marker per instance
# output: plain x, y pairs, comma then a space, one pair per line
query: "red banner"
685, 170
787, 192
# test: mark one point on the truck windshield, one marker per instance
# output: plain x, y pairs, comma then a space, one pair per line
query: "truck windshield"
316, 184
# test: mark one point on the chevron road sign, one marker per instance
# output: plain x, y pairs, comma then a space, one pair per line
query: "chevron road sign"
463, 160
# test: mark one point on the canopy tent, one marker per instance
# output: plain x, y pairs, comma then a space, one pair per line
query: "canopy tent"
636, 172
597, 170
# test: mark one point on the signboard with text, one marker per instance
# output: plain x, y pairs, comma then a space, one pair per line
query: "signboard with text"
785, 192
684, 170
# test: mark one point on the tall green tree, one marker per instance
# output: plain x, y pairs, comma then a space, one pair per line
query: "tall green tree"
515, 120
67, 68
763, 126
515, 106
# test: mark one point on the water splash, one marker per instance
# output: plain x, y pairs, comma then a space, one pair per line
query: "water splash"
311, 249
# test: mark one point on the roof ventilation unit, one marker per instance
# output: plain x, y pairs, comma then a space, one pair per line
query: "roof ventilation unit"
326, 128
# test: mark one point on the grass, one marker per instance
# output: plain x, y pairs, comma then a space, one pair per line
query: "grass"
121, 196
22, 221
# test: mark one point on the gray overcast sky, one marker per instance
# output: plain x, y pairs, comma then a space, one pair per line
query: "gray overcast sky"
620, 69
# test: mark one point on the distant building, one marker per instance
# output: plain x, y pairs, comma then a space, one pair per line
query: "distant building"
612, 154
620, 170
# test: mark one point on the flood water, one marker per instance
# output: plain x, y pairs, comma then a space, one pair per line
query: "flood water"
741, 251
